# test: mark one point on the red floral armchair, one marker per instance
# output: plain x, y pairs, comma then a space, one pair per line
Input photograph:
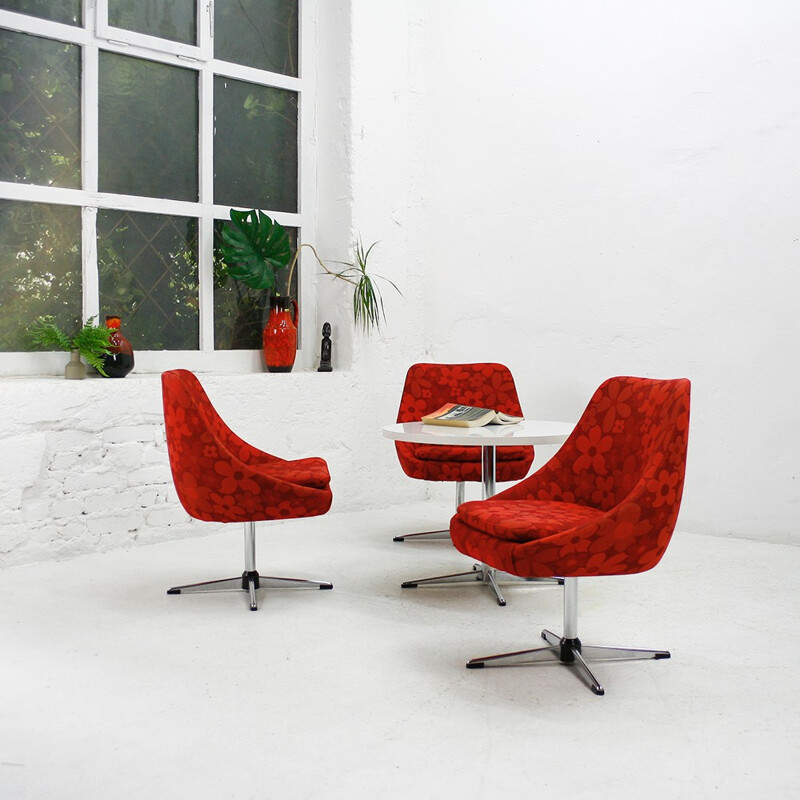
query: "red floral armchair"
221, 478
428, 387
605, 504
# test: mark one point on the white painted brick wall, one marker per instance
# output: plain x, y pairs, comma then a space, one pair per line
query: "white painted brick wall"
84, 466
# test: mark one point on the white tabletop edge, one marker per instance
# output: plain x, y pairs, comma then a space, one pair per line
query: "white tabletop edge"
534, 431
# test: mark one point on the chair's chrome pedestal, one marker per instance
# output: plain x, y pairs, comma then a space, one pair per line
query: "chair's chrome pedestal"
424, 536
483, 574
249, 581
568, 649
431, 535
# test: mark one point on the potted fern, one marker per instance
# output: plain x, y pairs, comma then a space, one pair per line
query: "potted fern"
91, 341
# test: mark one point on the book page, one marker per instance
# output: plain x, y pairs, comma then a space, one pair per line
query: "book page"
465, 413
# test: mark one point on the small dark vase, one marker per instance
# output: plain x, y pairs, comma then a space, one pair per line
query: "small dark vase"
119, 362
280, 335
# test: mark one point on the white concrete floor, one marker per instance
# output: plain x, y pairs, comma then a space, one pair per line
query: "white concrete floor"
112, 689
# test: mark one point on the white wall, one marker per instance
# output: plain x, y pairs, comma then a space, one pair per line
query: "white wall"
614, 188
578, 190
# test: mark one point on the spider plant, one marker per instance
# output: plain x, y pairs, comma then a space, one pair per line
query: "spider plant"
367, 300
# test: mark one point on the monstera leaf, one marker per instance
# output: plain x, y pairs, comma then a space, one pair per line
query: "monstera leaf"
254, 247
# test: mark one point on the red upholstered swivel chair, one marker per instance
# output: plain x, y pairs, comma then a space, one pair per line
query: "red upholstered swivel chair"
605, 504
221, 478
430, 386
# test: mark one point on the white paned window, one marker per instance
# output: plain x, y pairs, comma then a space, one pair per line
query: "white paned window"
128, 129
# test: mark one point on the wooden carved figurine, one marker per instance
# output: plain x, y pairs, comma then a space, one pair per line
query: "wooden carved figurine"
325, 354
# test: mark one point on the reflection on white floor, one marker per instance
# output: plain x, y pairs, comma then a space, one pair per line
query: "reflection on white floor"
112, 689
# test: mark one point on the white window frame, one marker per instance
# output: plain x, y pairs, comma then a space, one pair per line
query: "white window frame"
95, 35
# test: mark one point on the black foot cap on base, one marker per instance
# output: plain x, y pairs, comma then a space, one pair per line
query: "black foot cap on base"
475, 664
173, 591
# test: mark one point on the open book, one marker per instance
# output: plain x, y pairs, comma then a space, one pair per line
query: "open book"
468, 416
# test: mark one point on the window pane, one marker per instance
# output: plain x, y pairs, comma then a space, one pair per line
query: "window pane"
257, 33
148, 128
40, 268
240, 313
255, 146
66, 11
148, 276
40, 123
175, 20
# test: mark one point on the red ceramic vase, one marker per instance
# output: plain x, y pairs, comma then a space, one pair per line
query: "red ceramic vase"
280, 334
119, 361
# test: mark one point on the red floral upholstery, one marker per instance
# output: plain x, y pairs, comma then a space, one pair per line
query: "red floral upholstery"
430, 386
605, 504
221, 478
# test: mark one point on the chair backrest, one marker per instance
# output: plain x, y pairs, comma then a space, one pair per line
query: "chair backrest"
625, 457
205, 455
430, 386
190, 416
633, 433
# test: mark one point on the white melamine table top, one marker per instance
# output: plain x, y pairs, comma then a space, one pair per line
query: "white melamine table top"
531, 431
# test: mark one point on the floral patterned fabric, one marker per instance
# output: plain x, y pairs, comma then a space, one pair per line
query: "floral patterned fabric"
220, 477
605, 504
430, 386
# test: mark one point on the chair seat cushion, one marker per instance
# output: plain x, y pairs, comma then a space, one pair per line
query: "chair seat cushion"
443, 452
437, 469
310, 472
524, 520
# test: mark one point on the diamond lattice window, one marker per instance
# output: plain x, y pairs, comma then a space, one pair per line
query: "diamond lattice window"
126, 135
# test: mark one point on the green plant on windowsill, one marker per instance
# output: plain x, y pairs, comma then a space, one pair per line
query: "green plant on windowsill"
91, 341
367, 301
255, 248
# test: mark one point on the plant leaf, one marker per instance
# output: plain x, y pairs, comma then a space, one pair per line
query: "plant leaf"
368, 308
45, 333
254, 248
94, 342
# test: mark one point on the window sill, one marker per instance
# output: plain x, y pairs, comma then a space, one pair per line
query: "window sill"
233, 362
147, 376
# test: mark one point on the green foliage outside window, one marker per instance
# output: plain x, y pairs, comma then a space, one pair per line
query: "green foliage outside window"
66, 11
149, 278
40, 268
40, 122
147, 263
